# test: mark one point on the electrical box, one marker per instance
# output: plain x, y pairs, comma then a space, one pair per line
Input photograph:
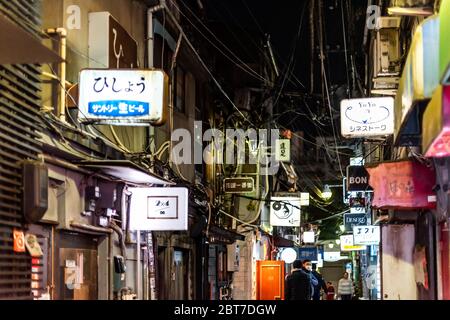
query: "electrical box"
91, 196
233, 257
35, 190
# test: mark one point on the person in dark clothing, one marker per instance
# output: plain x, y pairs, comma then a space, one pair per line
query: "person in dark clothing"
298, 284
320, 285
307, 268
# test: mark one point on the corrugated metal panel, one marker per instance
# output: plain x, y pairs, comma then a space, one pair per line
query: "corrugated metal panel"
19, 123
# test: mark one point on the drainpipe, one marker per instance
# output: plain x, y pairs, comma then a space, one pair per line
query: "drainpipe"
150, 62
62, 33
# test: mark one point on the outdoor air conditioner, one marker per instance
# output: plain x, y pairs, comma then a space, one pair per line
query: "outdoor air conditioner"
386, 56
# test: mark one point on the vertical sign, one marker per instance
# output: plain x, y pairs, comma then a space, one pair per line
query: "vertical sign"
283, 150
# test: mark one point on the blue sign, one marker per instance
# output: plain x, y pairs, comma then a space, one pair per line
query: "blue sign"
119, 108
354, 219
307, 253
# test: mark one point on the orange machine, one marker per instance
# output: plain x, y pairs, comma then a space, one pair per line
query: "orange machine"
270, 280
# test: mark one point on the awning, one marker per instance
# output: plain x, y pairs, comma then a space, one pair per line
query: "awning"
17, 46
436, 124
444, 44
125, 170
403, 185
223, 236
419, 79
282, 242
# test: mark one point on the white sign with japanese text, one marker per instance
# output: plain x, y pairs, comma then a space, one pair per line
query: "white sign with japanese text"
122, 96
283, 150
367, 117
347, 244
159, 209
285, 211
366, 235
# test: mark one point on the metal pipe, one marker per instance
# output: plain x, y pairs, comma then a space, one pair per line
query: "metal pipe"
119, 232
138, 266
90, 228
62, 33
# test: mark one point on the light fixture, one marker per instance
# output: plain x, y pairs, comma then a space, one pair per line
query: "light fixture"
288, 255
326, 193
338, 241
342, 227
410, 11
331, 245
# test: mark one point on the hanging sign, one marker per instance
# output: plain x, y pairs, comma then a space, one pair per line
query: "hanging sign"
403, 185
367, 117
304, 199
159, 209
357, 178
110, 45
32, 245
283, 150
354, 219
347, 244
122, 97
366, 235
239, 185
285, 211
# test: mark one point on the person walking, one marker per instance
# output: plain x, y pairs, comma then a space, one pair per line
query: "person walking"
298, 284
320, 285
345, 287
330, 291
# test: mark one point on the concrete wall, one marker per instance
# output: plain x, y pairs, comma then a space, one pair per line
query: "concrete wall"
130, 14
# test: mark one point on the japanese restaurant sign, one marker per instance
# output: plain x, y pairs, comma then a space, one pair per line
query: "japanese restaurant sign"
367, 117
159, 209
402, 185
123, 96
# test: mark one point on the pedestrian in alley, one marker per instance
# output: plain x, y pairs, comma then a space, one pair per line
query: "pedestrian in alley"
307, 268
320, 285
330, 291
298, 283
345, 287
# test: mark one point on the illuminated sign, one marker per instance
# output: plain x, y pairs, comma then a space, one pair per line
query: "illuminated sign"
159, 209
367, 117
285, 211
283, 150
354, 219
239, 185
366, 235
348, 245
122, 97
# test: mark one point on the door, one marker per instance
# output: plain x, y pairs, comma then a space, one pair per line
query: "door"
180, 274
76, 267
269, 280
398, 274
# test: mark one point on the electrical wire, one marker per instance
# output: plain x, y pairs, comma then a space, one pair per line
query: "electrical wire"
247, 68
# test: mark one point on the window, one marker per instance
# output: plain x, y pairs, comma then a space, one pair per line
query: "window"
180, 91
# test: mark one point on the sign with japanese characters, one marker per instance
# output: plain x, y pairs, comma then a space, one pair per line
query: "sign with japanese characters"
159, 209
283, 150
366, 235
123, 96
354, 219
239, 185
285, 211
367, 117
347, 244
403, 185
304, 199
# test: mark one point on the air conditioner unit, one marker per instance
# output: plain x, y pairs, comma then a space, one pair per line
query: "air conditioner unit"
292, 237
386, 56
411, 7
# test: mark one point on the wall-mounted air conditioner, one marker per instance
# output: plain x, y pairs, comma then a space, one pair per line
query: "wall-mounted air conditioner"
386, 56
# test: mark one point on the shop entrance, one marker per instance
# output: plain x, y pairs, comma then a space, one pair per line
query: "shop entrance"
76, 266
